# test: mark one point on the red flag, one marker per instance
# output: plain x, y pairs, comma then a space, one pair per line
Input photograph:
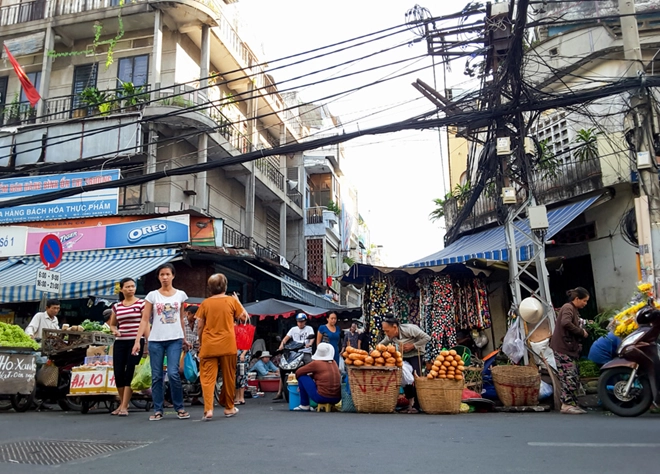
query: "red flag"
30, 91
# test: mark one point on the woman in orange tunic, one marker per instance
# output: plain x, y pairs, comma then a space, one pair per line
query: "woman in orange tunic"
216, 316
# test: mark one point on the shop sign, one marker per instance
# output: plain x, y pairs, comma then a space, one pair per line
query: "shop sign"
13, 241
17, 373
88, 204
168, 230
73, 240
48, 281
92, 380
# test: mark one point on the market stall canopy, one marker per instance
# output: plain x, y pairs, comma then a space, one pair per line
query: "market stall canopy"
491, 244
275, 308
81, 273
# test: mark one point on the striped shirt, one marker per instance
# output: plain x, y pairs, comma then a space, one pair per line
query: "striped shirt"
128, 319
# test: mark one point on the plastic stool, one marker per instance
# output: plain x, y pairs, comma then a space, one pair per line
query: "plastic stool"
324, 406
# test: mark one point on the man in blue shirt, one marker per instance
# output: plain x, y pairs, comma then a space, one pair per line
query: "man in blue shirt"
264, 366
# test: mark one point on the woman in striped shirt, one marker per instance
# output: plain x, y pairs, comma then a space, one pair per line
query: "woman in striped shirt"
124, 323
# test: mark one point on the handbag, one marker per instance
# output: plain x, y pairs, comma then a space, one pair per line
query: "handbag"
244, 336
190, 370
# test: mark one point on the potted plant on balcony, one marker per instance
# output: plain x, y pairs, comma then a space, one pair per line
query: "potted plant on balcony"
14, 112
133, 96
89, 97
334, 208
107, 103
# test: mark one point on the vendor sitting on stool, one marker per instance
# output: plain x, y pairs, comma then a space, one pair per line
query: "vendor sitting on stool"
320, 379
265, 366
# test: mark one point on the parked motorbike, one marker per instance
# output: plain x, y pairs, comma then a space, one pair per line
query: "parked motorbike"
292, 359
628, 385
43, 396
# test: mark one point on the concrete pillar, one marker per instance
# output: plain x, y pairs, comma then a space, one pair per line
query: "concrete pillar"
250, 186
200, 186
46, 68
152, 149
283, 229
250, 201
157, 53
282, 134
205, 60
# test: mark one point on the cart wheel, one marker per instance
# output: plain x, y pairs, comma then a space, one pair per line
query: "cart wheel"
141, 404
112, 405
85, 406
22, 403
5, 405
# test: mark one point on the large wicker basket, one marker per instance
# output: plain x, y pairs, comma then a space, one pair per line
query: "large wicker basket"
517, 385
374, 389
438, 396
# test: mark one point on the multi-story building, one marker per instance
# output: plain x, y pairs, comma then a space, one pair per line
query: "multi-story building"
331, 213
142, 86
585, 176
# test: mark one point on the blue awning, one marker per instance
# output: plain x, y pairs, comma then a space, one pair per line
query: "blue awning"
82, 273
491, 243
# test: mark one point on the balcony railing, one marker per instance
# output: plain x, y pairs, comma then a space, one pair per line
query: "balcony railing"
570, 179
296, 197
233, 238
272, 173
314, 215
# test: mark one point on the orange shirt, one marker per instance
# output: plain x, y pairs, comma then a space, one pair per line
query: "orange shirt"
218, 338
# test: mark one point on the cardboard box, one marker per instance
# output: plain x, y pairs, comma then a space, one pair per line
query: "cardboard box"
92, 380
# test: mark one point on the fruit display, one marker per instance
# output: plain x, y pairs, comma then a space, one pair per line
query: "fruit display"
448, 365
381, 356
13, 336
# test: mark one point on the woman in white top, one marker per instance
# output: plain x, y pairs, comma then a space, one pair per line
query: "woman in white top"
167, 337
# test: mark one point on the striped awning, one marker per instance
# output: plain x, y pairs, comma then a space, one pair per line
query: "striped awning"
82, 273
491, 244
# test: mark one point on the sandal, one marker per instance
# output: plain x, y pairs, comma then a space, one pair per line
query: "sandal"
183, 415
572, 410
207, 417
123, 413
229, 415
156, 417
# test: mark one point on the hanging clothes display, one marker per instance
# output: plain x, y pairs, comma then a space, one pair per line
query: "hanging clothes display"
439, 304
439, 310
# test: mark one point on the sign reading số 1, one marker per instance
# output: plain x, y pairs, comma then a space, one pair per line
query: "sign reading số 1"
103, 202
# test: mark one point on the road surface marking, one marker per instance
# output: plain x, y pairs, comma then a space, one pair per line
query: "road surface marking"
596, 445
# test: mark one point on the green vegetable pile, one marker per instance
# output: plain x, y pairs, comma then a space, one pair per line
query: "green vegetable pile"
588, 368
88, 325
13, 336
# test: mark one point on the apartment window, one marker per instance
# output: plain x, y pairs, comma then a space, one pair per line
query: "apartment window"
83, 77
3, 95
134, 69
35, 79
130, 197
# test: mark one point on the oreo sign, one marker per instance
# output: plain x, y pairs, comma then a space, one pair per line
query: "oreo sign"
163, 231
141, 232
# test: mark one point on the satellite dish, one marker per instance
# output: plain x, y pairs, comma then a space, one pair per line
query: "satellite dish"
531, 310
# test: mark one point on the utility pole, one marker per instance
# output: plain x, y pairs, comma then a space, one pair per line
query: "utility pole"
647, 206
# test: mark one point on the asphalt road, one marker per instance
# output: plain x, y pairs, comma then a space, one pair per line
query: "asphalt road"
266, 438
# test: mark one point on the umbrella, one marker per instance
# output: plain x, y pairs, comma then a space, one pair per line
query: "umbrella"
286, 309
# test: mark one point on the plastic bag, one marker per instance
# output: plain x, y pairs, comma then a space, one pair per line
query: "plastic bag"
190, 370
244, 335
513, 345
342, 365
142, 378
407, 377
545, 391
